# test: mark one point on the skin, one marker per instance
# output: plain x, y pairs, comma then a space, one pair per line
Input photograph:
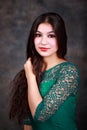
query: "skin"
27, 127
45, 38
46, 45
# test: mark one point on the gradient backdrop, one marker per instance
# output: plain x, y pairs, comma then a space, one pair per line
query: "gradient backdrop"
16, 17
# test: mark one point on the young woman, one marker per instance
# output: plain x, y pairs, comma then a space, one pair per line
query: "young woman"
48, 81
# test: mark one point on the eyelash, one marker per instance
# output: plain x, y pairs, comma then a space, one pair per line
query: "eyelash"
50, 35
38, 35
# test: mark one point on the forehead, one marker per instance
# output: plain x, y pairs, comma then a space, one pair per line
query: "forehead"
45, 27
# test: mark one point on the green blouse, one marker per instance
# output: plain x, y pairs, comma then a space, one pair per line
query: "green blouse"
58, 88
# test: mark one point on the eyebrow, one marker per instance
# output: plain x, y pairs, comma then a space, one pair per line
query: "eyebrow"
47, 32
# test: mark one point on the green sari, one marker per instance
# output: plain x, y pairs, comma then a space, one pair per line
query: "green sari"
58, 88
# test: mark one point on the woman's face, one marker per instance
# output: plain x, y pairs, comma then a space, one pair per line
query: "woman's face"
45, 40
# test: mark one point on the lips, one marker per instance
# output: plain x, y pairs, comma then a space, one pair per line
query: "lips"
43, 48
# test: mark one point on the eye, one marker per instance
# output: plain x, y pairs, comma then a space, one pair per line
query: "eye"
51, 35
37, 35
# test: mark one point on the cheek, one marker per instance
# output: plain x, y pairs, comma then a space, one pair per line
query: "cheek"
37, 41
54, 44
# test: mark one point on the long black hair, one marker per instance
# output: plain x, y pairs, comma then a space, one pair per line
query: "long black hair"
19, 99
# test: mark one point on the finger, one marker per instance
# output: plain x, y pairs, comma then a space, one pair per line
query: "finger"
29, 58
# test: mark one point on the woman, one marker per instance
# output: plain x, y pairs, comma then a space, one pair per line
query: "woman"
52, 82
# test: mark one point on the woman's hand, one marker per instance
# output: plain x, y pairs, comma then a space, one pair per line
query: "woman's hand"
29, 72
28, 69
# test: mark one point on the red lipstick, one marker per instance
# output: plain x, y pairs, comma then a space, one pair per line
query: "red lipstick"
43, 48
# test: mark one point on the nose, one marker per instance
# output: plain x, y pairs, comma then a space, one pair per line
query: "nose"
44, 41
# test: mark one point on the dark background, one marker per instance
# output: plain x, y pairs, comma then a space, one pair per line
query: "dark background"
16, 17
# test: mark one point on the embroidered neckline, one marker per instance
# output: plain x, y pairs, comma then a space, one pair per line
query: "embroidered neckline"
46, 71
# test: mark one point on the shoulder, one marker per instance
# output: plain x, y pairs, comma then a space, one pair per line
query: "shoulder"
69, 68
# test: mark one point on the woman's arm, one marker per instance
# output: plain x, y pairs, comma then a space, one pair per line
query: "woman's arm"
66, 85
27, 127
34, 97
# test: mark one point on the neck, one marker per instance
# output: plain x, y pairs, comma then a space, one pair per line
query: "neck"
50, 62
